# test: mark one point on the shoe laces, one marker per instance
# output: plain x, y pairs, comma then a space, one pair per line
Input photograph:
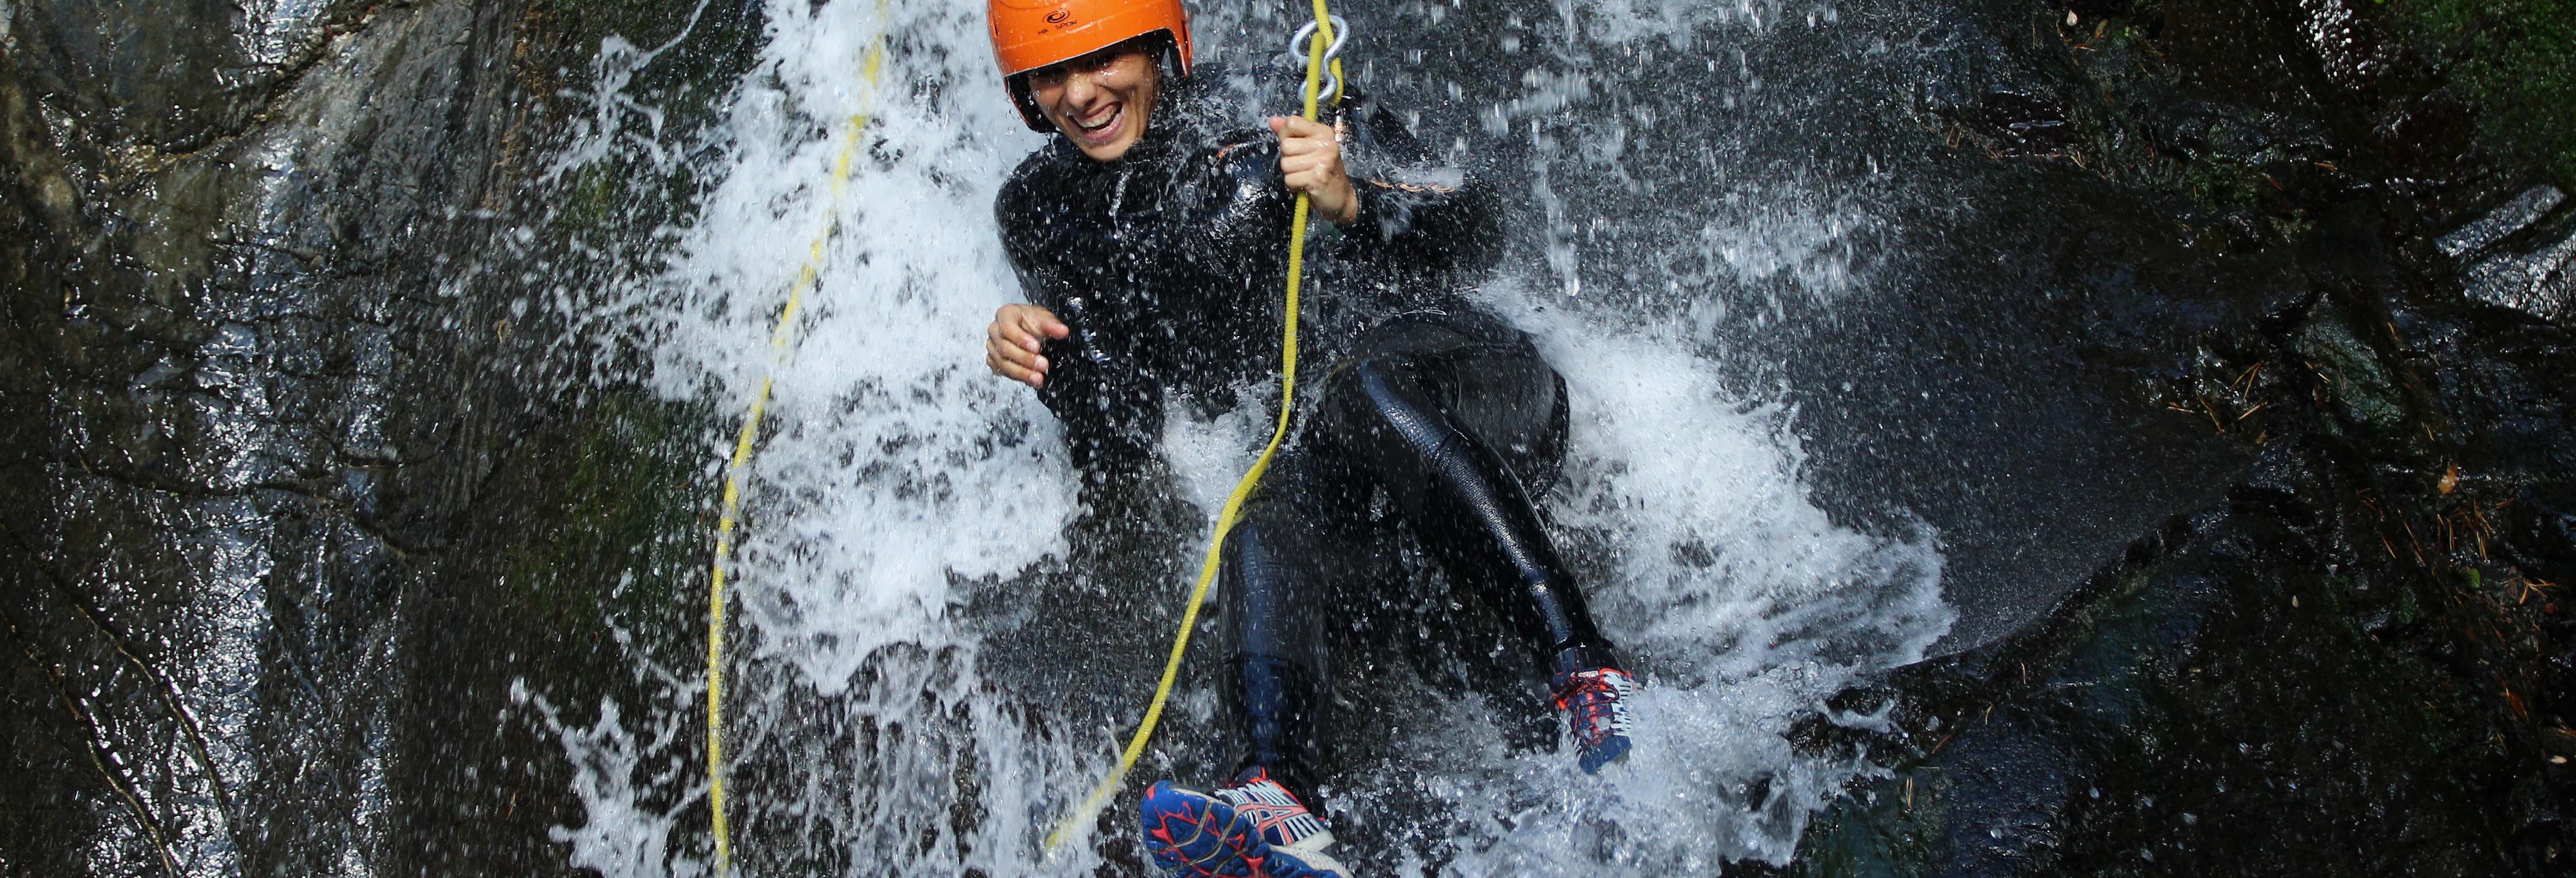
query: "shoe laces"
1597, 702
1282, 819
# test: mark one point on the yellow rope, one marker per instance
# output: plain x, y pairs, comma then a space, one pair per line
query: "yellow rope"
1092, 804
742, 445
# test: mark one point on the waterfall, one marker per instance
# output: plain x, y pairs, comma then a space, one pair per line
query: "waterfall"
931, 668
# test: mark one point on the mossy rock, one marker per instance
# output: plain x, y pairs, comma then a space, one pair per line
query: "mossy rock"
2363, 391
2516, 59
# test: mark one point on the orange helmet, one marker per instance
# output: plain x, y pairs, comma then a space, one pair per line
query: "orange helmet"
1029, 34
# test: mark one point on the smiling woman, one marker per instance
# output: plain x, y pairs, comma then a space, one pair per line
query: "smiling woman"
1100, 100
1145, 241
1032, 36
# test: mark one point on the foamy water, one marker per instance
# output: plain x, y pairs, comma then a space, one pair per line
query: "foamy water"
899, 486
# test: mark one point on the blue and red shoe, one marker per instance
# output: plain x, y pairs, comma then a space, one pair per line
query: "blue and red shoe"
1596, 706
1283, 820
1196, 835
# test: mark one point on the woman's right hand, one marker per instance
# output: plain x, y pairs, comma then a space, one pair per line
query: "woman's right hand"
1011, 343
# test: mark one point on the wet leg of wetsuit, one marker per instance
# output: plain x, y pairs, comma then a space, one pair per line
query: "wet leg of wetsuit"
1276, 578
1447, 415
1457, 419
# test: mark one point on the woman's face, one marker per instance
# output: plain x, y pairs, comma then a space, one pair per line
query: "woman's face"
1100, 100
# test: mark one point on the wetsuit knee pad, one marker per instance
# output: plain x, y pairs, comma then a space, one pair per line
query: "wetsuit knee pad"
1358, 395
1485, 378
1514, 403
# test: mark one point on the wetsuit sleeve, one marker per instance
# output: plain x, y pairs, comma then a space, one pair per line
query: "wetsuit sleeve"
1235, 206
1231, 230
1095, 387
1416, 211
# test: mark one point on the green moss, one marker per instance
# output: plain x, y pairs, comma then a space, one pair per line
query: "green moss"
1892, 828
612, 203
591, 198
2361, 386
623, 532
2516, 59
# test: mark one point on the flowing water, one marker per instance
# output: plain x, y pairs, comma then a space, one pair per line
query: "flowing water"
374, 375
930, 666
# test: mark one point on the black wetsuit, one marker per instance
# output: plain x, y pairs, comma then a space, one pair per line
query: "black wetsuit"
1168, 265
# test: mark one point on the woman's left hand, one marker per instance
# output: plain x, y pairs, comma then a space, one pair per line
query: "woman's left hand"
1310, 157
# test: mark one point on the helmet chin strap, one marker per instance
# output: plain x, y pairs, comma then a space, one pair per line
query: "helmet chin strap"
1026, 102
1168, 62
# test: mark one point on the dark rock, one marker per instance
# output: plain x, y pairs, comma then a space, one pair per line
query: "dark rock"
2351, 373
1983, 84
2363, 627
2544, 519
254, 473
2502, 223
2541, 283
2276, 481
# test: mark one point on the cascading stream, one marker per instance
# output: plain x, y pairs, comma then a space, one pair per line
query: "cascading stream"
933, 661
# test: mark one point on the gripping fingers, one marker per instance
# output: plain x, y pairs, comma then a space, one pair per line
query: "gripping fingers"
1301, 128
1016, 353
1300, 179
1038, 322
1293, 145
1311, 183
1307, 162
1308, 173
1025, 367
1310, 161
1012, 342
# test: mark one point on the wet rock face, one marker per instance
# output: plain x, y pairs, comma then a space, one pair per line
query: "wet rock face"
2540, 281
236, 436
2357, 661
294, 487
291, 502
166, 75
1978, 81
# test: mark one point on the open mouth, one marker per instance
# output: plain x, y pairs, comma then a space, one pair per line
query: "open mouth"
1102, 125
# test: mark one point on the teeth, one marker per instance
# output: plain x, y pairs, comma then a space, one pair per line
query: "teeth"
1105, 119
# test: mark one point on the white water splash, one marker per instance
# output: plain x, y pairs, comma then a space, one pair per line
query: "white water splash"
896, 475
